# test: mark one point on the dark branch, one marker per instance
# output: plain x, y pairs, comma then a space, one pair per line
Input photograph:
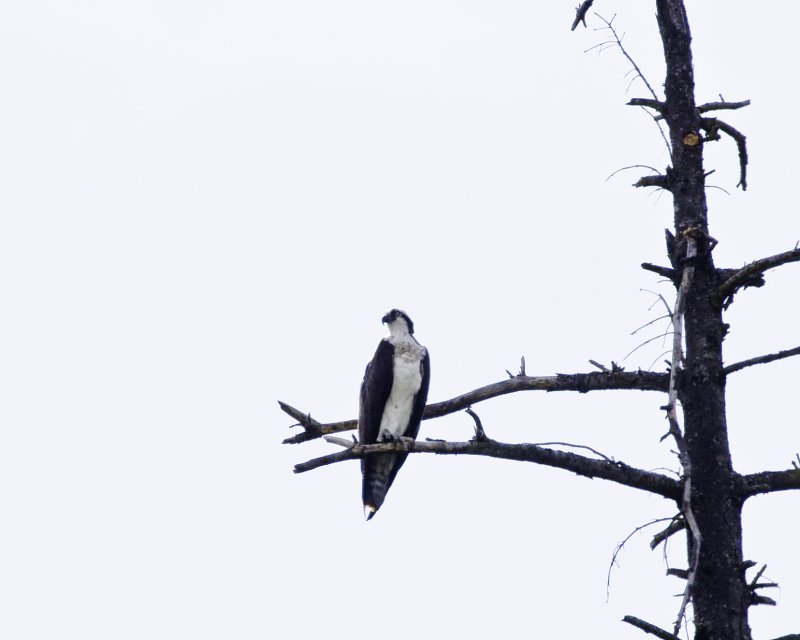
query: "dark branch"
662, 271
771, 357
718, 106
480, 434
677, 524
650, 103
740, 277
614, 471
712, 126
683, 574
649, 628
581, 382
770, 481
313, 429
658, 105
580, 13
756, 280
653, 181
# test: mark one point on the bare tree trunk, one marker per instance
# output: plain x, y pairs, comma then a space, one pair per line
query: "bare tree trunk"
720, 594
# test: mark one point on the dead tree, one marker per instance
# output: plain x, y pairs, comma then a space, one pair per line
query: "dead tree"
710, 494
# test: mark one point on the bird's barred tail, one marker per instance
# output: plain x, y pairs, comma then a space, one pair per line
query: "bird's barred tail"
378, 471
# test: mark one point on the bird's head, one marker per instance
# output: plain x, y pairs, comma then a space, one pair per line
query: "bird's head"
398, 321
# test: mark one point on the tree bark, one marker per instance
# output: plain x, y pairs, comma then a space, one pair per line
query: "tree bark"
720, 595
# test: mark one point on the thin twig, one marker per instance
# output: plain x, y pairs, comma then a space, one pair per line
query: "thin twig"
650, 628
633, 166
618, 42
771, 357
646, 342
621, 545
644, 326
639, 74
657, 358
574, 446
758, 575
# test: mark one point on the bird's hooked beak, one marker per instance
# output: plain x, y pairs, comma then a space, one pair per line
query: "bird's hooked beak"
389, 317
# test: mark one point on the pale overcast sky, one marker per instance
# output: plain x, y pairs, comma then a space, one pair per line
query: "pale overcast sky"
207, 206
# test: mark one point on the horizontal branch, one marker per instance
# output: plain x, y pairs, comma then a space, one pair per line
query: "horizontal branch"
614, 379
650, 103
770, 481
659, 106
613, 471
770, 357
755, 280
717, 106
662, 271
661, 181
729, 286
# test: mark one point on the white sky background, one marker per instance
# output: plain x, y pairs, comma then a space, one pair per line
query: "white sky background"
207, 207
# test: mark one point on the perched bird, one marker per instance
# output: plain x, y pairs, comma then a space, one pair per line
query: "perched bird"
393, 396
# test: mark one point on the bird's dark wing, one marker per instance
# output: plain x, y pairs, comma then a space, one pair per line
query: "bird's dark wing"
375, 390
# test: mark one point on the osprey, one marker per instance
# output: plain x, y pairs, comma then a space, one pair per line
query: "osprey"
393, 396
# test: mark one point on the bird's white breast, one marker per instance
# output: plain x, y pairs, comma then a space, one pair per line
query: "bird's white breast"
407, 371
